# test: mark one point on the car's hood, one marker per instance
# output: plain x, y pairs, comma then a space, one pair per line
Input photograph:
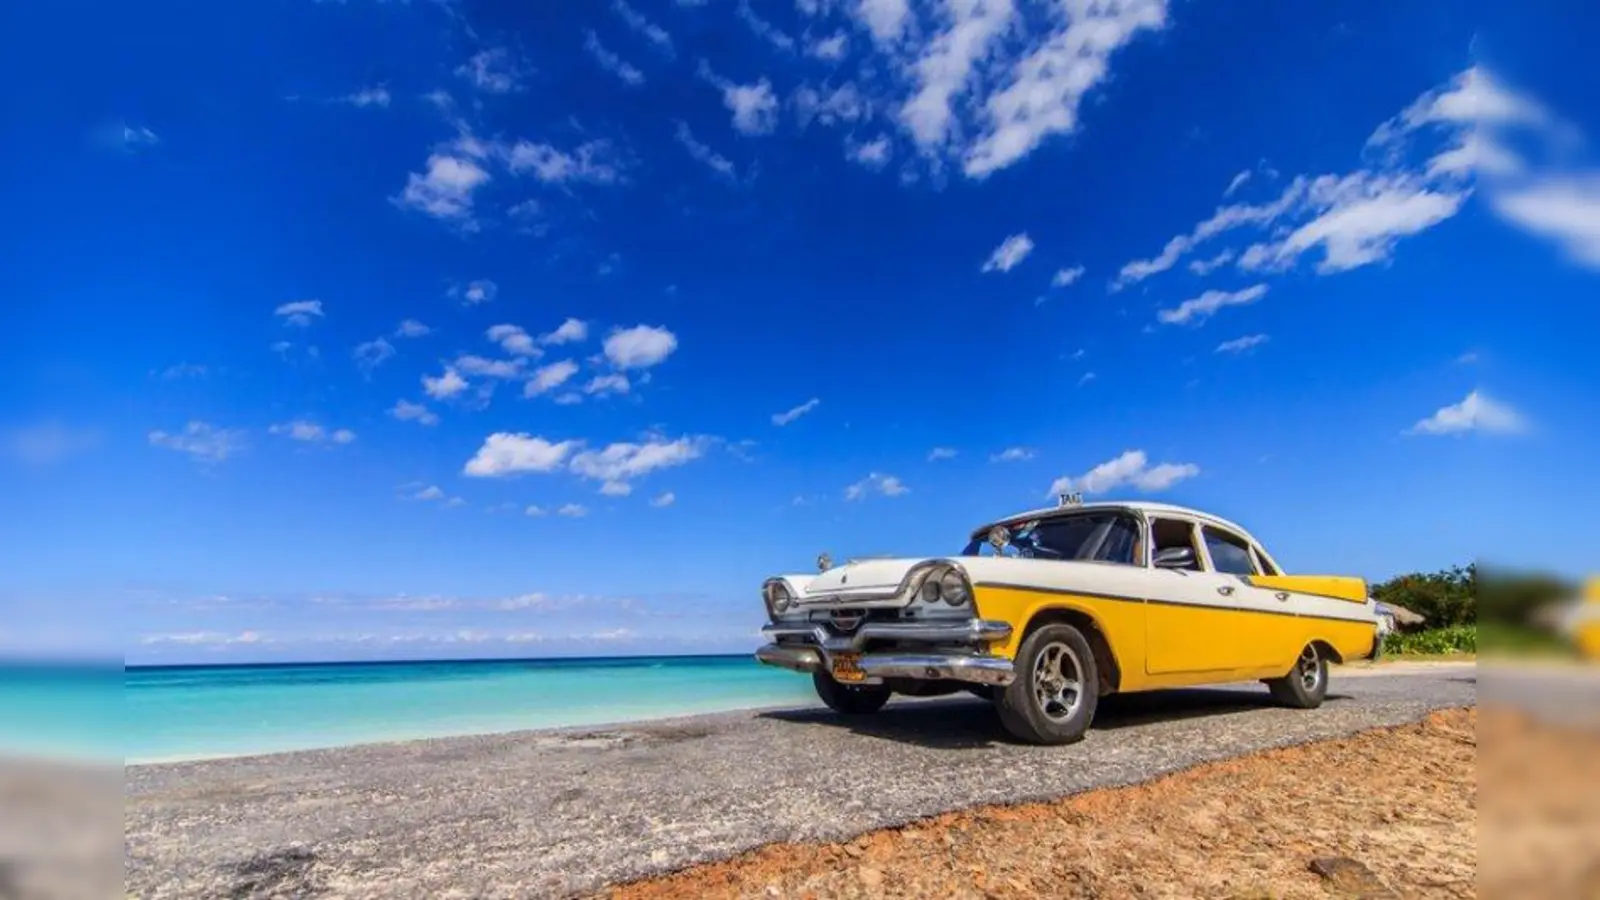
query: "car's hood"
861, 577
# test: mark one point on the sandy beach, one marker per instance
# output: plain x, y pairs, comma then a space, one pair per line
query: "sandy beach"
568, 812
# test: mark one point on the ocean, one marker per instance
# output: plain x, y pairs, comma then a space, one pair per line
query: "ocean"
199, 712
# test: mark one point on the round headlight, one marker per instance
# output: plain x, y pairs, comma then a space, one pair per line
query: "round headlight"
929, 591
953, 588
778, 597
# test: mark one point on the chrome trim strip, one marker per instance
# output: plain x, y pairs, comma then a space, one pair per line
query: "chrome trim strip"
799, 659
974, 669
965, 631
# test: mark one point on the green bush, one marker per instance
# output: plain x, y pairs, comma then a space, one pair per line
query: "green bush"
1444, 599
1434, 642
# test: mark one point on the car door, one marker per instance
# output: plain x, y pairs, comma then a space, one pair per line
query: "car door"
1261, 627
1190, 625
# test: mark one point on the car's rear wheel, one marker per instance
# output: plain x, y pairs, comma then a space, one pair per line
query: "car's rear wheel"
1306, 684
850, 699
1057, 688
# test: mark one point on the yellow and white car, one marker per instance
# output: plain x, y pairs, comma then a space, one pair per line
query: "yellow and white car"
1583, 622
1047, 611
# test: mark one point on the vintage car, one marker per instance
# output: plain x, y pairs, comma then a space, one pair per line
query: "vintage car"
1047, 611
1583, 622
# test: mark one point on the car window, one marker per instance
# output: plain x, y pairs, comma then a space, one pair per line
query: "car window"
1229, 552
1264, 564
1166, 533
1103, 537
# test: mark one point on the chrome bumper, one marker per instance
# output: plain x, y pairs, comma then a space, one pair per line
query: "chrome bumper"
811, 649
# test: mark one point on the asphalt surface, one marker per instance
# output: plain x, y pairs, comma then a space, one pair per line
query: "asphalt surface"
559, 813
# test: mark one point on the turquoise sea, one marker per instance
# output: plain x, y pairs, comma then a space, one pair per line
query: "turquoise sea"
177, 713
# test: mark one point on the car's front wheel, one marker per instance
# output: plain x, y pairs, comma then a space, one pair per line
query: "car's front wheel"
1057, 688
1306, 684
850, 699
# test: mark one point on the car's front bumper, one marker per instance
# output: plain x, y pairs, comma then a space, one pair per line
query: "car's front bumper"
932, 650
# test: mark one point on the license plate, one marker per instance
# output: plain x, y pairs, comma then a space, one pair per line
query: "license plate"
847, 667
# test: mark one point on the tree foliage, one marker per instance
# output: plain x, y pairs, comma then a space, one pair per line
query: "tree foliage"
1444, 598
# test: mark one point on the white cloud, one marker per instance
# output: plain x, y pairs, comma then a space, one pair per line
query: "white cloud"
611, 62
1224, 219
203, 442
1475, 413
614, 383
754, 107
876, 483
1012, 454
47, 443
873, 154
1237, 182
550, 377
1241, 344
1207, 266
372, 354
492, 70
504, 453
973, 29
573, 511
513, 340
472, 293
1011, 251
1361, 225
639, 347
483, 367
1086, 378
1046, 87
411, 328
368, 96
616, 489
1472, 98
1204, 306
444, 386
666, 499
131, 137
785, 418
205, 638
624, 461
841, 105
939, 453
764, 29
312, 433
1131, 469
300, 312
184, 370
885, 19
832, 48
445, 190
431, 492
592, 162
535, 510
1559, 208
1066, 277
406, 411
569, 332
702, 153
636, 20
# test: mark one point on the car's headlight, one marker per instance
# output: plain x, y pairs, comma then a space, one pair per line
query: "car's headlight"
953, 588
778, 598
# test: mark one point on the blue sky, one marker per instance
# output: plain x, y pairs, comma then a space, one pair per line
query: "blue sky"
429, 329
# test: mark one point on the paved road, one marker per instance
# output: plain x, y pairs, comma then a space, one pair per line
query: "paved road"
557, 813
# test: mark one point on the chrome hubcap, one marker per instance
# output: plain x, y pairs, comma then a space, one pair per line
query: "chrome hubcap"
1309, 668
1058, 682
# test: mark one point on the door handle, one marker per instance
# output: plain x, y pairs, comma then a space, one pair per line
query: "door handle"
1225, 591
1282, 595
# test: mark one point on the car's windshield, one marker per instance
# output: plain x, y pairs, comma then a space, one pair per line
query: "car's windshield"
1108, 536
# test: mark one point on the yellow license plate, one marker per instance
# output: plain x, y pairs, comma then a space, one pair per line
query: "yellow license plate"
847, 667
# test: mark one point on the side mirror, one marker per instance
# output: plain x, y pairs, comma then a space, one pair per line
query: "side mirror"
1174, 558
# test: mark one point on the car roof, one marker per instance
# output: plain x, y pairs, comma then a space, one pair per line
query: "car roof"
1142, 506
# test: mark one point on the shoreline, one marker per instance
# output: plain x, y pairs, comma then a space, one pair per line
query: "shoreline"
1400, 666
